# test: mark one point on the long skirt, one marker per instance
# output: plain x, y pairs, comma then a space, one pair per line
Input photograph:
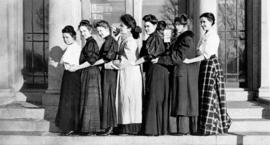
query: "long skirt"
108, 108
156, 107
213, 116
129, 96
67, 118
90, 100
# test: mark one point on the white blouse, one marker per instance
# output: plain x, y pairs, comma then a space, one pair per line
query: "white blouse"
72, 54
208, 44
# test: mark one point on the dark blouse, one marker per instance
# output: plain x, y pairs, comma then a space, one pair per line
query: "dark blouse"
152, 47
182, 48
90, 51
109, 49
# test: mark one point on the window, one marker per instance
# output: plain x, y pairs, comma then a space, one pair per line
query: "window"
232, 31
35, 70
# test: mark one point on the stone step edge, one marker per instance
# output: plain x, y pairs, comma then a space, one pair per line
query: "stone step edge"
227, 139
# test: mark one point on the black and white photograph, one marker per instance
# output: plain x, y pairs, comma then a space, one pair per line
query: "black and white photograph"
135, 72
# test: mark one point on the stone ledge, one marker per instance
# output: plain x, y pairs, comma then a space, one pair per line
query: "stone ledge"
55, 139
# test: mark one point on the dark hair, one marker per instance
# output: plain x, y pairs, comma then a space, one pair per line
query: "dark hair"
104, 24
209, 16
70, 30
161, 25
183, 19
87, 24
130, 22
150, 18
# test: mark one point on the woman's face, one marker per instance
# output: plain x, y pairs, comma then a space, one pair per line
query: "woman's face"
205, 24
68, 39
103, 32
179, 27
149, 28
85, 32
124, 29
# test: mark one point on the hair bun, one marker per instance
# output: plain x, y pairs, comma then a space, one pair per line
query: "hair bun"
138, 29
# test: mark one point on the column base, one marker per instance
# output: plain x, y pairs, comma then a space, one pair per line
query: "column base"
264, 92
7, 97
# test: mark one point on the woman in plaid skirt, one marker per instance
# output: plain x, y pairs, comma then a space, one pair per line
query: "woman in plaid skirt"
213, 117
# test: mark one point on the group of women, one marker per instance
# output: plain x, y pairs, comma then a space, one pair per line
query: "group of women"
103, 90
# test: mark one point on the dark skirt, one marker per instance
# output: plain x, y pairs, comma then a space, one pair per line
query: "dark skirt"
213, 117
90, 100
185, 95
108, 108
67, 118
156, 107
186, 124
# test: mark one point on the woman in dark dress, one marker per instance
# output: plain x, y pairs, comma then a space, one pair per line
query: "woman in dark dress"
213, 116
67, 118
90, 82
184, 80
155, 108
108, 52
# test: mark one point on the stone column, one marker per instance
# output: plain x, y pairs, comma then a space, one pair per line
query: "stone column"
11, 51
264, 90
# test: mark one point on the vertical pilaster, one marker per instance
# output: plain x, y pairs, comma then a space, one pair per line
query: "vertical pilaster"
264, 90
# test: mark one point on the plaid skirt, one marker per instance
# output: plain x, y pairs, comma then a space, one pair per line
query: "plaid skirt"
213, 116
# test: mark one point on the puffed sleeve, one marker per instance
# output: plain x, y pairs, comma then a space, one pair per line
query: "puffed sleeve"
109, 49
155, 46
92, 52
143, 51
181, 49
188, 47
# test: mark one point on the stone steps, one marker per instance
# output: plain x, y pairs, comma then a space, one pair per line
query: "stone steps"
55, 139
247, 110
237, 94
250, 125
248, 116
17, 112
24, 125
22, 116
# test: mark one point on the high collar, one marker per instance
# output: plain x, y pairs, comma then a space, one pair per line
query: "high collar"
107, 37
210, 31
89, 38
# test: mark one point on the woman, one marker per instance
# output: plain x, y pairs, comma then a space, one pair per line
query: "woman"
67, 118
108, 52
129, 88
155, 119
161, 26
213, 117
184, 101
90, 82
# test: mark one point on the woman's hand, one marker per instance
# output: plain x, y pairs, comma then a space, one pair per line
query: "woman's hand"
187, 61
117, 63
72, 68
155, 60
53, 63
140, 61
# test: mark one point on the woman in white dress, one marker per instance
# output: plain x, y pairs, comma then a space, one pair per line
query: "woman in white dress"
129, 86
